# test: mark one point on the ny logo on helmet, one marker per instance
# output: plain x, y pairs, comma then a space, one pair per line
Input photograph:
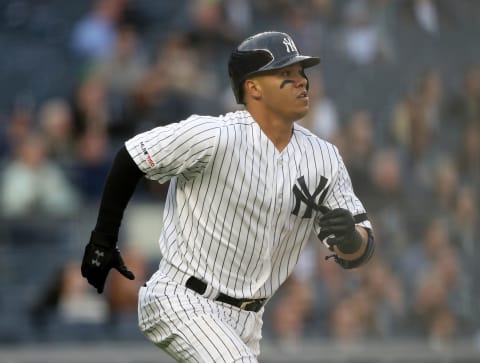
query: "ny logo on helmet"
290, 45
312, 201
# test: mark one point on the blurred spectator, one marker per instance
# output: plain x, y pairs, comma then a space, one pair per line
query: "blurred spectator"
240, 15
359, 134
444, 186
441, 289
91, 106
291, 312
93, 159
421, 256
122, 73
385, 307
430, 305
429, 16
420, 111
430, 95
468, 154
361, 39
465, 105
418, 155
465, 224
303, 306
32, 185
176, 83
384, 16
416, 124
346, 321
152, 103
402, 120
443, 328
94, 35
330, 284
438, 283
386, 177
18, 126
181, 61
387, 205
56, 124
123, 69
323, 10
68, 300
210, 31
426, 15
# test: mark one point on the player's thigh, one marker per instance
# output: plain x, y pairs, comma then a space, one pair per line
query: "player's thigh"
215, 341
189, 327
203, 339
179, 349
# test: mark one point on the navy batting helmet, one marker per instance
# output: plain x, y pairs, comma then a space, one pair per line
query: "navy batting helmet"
262, 52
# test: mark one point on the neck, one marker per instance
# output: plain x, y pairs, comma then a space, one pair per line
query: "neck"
278, 130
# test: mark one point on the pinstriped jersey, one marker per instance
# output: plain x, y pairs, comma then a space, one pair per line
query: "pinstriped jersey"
238, 211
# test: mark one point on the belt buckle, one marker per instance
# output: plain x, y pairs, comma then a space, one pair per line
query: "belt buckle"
245, 304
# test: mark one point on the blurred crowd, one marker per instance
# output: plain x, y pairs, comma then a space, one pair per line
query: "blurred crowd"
413, 152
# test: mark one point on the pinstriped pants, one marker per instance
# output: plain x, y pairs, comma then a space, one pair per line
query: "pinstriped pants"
192, 328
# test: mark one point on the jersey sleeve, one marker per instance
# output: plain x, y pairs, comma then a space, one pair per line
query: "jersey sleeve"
341, 195
180, 149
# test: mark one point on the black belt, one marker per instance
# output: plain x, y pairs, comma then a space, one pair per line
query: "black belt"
245, 304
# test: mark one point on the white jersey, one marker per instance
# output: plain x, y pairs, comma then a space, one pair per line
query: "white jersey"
238, 211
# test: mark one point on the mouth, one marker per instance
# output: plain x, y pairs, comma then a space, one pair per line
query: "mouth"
302, 95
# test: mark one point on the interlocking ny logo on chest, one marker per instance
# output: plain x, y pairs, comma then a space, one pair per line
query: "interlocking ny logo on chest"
305, 201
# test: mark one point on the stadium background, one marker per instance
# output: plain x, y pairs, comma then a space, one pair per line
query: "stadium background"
398, 91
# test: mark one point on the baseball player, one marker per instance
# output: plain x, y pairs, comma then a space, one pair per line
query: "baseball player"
246, 191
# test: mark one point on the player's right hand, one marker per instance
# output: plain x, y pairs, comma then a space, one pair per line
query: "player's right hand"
99, 257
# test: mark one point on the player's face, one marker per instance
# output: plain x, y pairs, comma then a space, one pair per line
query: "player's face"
284, 91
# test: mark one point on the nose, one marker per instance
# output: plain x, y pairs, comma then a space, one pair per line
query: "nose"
301, 83
302, 80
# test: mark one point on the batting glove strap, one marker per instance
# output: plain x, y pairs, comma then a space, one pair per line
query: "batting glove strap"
349, 264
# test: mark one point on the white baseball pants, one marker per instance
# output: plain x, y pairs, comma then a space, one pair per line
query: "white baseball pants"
193, 328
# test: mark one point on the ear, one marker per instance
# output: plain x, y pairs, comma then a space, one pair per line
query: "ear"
253, 89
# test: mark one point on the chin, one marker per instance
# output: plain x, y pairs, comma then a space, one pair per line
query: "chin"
300, 114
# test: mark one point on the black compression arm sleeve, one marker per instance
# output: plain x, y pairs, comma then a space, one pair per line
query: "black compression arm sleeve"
120, 184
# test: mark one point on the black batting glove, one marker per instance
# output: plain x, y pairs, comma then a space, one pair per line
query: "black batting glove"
338, 229
99, 257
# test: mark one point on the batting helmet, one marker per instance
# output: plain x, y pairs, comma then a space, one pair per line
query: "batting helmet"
262, 52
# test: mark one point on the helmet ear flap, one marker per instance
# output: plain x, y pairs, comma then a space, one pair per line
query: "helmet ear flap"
242, 64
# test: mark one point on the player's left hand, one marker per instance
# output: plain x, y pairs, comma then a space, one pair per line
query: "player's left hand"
99, 257
338, 228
